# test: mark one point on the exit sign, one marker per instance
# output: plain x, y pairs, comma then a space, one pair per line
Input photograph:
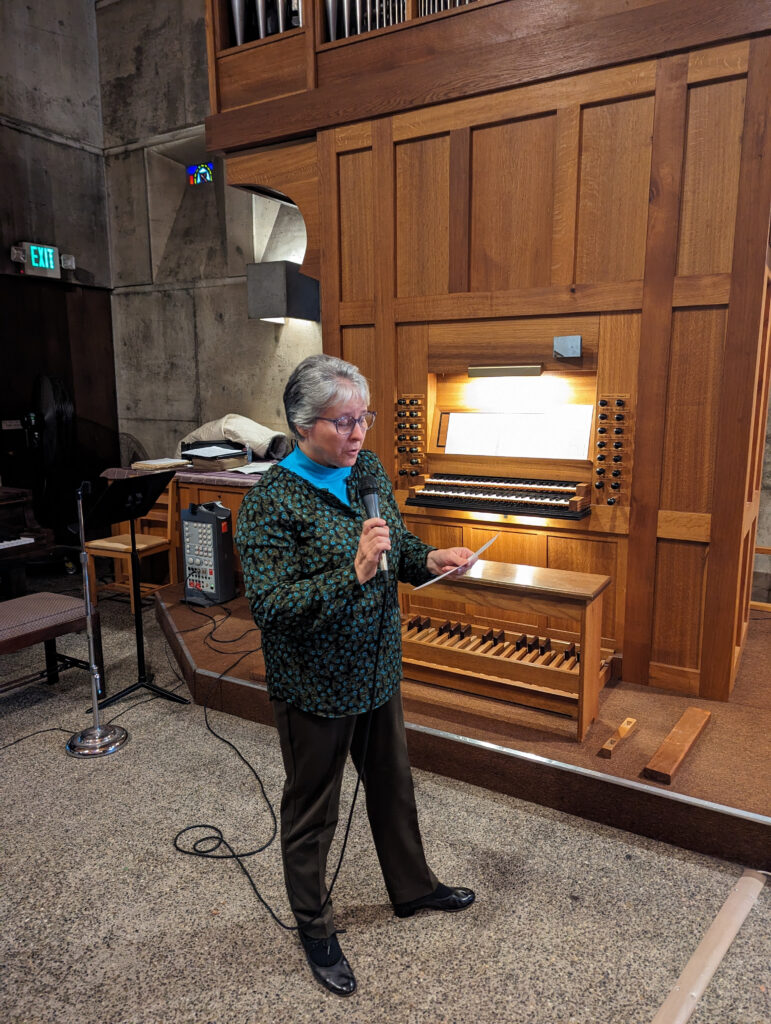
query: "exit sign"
40, 260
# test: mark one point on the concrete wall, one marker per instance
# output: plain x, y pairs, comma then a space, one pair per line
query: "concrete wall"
51, 162
185, 351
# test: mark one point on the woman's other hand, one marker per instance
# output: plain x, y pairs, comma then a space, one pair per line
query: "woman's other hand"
445, 559
374, 540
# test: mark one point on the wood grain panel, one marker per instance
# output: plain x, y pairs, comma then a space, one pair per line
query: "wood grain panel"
567, 149
271, 68
613, 196
438, 536
739, 388
422, 216
512, 195
690, 433
460, 202
713, 148
677, 603
357, 246
630, 35
453, 347
517, 547
619, 346
577, 554
655, 329
412, 359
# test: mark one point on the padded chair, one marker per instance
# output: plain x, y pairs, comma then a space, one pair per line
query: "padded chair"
154, 536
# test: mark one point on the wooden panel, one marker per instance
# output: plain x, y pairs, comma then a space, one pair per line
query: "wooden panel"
713, 148
671, 754
359, 348
422, 216
460, 195
594, 556
739, 388
412, 359
357, 248
453, 347
619, 348
466, 69
567, 147
266, 70
690, 434
438, 536
512, 205
613, 198
678, 597
517, 547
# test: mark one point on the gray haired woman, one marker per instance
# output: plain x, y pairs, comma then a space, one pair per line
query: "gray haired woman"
331, 636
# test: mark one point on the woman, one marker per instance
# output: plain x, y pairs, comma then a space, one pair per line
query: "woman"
310, 556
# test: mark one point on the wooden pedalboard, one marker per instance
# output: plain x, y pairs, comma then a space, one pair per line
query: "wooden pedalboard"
554, 675
520, 668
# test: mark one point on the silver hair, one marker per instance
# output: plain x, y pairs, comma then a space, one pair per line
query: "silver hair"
318, 382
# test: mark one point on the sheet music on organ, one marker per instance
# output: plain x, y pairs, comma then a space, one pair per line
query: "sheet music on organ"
562, 432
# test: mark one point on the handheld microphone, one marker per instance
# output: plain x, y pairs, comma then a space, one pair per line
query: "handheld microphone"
369, 495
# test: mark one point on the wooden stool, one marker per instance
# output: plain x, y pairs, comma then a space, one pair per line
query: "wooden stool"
40, 618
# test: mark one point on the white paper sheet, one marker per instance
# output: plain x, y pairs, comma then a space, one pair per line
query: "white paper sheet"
562, 432
460, 569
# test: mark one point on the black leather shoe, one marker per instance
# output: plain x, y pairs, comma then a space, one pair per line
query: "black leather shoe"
328, 964
442, 898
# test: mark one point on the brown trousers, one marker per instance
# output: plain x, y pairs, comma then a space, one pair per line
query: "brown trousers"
314, 750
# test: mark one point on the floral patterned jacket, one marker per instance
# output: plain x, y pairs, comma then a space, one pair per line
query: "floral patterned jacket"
319, 624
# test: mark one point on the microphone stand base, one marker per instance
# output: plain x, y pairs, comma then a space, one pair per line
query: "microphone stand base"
96, 741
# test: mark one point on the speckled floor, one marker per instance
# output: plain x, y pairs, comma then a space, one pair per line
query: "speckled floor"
103, 922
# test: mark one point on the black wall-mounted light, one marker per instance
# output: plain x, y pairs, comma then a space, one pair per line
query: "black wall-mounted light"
277, 291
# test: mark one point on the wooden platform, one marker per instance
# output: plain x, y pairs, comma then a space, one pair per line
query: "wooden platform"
718, 803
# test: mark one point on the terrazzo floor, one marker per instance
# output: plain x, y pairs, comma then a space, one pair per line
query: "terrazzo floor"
104, 922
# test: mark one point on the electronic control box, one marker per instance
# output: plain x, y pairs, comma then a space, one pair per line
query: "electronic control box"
207, 545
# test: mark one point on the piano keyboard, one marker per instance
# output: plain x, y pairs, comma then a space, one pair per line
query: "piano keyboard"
505, 495
19, 542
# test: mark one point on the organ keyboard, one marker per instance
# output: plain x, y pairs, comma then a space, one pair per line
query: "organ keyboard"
506, 495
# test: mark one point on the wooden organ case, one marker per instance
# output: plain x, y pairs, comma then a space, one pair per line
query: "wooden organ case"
580, 184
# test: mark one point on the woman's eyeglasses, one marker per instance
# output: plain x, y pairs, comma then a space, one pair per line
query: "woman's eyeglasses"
345, 425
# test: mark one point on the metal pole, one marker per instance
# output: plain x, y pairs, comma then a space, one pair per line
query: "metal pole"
98, 739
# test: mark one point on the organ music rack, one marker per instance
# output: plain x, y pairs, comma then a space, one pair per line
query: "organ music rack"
502, 666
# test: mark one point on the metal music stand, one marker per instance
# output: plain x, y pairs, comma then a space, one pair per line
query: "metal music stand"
98, 739
131, 499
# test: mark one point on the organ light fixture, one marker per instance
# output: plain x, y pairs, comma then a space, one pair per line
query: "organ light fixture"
524, 370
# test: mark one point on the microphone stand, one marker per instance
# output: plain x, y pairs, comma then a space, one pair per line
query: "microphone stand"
98, 739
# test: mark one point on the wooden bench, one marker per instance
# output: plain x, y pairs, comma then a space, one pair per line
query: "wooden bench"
41, 618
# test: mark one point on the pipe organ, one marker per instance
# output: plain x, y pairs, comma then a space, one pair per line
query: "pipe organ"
569, 181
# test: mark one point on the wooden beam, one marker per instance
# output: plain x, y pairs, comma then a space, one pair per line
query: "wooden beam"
472, 69
670, 755
739, 384
606, 750
669, 121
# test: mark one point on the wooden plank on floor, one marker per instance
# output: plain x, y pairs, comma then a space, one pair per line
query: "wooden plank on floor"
670, 755
606, 750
